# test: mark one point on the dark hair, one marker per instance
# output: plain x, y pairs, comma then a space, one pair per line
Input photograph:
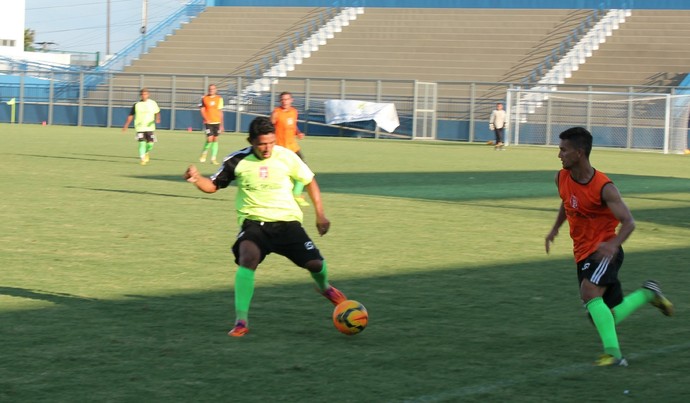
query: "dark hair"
260, 126
580, 138
285, 93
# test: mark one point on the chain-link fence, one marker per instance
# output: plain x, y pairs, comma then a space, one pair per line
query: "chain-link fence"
628, 117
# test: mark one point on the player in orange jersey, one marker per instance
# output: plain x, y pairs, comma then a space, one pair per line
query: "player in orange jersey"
211, 108
593, 207
284, 118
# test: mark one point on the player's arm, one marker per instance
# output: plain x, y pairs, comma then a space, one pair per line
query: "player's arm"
274, 117
612, 197
158, 117
322, 223
202, 183
127, 122
560, 219
129, 118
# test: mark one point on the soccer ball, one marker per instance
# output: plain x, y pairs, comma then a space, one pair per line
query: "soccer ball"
350, 317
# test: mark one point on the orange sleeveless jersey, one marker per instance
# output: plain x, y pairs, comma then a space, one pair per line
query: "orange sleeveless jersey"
213, 108
591, 222
286, 128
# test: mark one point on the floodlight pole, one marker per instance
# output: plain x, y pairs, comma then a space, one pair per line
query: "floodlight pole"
144, 12
107, 29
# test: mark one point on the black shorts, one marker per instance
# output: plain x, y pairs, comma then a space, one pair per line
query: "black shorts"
603, 273
148, 137
212, 129
286, 238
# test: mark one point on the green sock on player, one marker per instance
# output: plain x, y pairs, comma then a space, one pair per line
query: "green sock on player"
605, 325
321, 277
631, 303
244, 290
142, 150
206, 146
149, 147
214, 150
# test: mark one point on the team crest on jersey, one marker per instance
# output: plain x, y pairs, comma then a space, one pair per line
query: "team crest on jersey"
263, 172
573, 201
290, 121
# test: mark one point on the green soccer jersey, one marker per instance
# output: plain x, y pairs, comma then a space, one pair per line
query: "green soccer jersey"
145, 115
264, 187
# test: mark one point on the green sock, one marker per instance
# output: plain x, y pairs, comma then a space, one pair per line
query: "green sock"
631, 303
244, 290
149, 147
206, 146
142, 149
298, 188
605, 324
321, 277
214, 150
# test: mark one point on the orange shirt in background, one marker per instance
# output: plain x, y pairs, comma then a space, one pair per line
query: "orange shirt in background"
212, 109
286, 127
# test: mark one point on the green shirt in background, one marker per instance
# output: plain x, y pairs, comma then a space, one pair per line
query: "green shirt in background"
145, 115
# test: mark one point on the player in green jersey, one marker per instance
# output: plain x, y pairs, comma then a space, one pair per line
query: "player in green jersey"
269, 217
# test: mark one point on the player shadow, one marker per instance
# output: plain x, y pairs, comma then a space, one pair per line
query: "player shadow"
77, 158
54, 297
144, 193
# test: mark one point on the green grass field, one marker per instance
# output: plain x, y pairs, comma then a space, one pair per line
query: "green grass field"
117, 279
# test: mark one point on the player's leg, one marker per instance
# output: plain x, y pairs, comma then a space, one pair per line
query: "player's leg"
214, 149
207, 145
142, 150
294, 243
594, 278
650, 292
248, 254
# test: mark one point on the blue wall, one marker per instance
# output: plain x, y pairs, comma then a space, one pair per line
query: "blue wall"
569, 4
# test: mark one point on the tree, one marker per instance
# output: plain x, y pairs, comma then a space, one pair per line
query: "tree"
29, 37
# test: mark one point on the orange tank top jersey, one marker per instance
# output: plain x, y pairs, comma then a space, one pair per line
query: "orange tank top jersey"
213, 108
591, 221
286, 128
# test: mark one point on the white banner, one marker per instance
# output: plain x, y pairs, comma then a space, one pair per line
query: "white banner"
339, 111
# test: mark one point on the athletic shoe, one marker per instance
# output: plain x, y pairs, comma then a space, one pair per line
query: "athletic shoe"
334, 295
607, 360
214, 162
239, 330
143, 162
203, 157
301, 201
147, 158
659, 301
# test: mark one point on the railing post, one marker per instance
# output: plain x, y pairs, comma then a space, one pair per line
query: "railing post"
173, 94
51, 94
80, 110
473, 93
109, 117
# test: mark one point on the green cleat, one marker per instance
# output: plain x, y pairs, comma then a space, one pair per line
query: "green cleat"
660, 302
607, 360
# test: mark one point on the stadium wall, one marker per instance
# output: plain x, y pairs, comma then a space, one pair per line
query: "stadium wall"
512, 4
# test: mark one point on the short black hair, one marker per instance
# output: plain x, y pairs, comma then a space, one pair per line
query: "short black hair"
580, 138
260, 125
